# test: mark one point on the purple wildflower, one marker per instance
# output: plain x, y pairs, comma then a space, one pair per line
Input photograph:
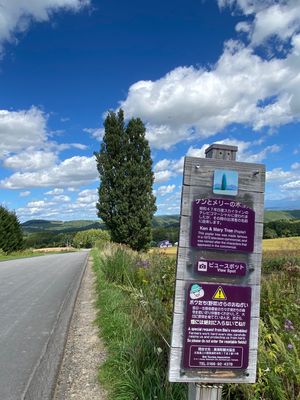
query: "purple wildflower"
290, 346
143, 264
288, 325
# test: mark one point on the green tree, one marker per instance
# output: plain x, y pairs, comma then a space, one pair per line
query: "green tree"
126, 203
11, 235
88, 238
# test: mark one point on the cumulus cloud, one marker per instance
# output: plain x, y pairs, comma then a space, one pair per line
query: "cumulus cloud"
278, 174
21, 129
96, 133
165, 189
61, 198
163, 176
74, 171
245, 150
292, 185
166, 169
88, 197
243, 88
31, 160
17, 15
270, 18
61, 207
55, 191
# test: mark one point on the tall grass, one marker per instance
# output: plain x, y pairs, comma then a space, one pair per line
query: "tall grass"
135, 294
135, 303
278, 374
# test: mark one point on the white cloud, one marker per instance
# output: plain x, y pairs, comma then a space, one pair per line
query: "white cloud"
283, 185
61, 198
30, 160
17, 15
162, 176
244, 152
55, 191
166, 168
163, 190
190, 103
278, 174
74, 171
25, 194
21, 129
88, 196
96, 133
292, 185
61, 207
194, 152
271, 18
296, 165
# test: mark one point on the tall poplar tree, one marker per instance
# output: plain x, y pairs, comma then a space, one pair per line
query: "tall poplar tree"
126, 203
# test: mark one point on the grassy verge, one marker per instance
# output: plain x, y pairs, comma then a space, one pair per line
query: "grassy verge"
27, 253
135, 294
135, 320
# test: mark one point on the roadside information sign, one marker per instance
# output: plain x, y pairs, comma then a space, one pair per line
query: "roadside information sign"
217, 326
218, 267
216, 303
222, 224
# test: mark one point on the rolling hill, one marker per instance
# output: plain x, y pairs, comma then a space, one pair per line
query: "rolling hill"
159, 221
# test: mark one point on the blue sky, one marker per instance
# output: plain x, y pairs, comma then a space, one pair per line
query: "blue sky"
196, 72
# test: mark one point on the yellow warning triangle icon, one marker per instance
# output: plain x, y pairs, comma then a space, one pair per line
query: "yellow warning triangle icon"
219, 294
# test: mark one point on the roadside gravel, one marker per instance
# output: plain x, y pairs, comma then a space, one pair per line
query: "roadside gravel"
84, 351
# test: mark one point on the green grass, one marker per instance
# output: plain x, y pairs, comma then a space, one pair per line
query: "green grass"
27, 253
278, 376
135, 294
18, 254
135, 325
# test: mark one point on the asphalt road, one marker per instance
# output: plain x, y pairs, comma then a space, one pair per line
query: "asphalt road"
33, 293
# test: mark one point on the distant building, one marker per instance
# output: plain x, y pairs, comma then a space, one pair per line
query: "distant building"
164, 244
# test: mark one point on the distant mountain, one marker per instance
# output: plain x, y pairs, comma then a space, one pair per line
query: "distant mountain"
159, 221
274, 215
166, 221
40, 225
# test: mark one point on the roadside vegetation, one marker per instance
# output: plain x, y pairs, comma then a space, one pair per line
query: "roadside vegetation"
135, 294
11, 236
32, 253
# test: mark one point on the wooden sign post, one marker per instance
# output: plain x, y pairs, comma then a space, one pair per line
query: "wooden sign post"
216, 305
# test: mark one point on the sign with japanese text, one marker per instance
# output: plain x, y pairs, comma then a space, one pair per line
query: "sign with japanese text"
218, 267
222, 224
217, 326
216, 302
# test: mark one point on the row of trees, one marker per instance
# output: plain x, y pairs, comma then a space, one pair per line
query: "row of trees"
281, 228
11, 235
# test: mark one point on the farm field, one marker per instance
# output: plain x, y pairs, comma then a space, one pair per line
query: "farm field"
286, 245
282, 244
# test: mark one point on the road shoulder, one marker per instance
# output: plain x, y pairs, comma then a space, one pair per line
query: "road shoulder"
84, 351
